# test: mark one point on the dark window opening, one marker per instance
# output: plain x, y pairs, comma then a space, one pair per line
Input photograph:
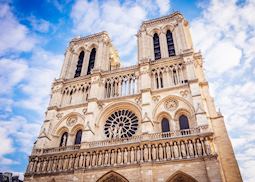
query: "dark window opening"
165, 125
63, 140
156, 45
78, 137
92, 58
170, 43
79, 65
184, 124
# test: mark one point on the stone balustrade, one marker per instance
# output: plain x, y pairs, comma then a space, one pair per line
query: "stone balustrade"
156, 148
157, 151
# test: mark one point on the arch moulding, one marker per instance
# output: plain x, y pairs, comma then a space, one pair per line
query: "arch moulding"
115, 106
155, 113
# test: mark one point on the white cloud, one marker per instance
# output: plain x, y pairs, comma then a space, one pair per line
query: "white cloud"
164, 6
13, 35
11, 73
40, 25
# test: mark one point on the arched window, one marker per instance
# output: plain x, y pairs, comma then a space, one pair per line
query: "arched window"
63, 140
92, 58
78, 137
165, 125
184, 122
79, 65
170, 43
156, 45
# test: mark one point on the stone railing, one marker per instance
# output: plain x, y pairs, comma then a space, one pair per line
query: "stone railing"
55, 150
150, 137
185, 148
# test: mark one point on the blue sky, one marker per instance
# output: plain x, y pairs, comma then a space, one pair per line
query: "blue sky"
34, 36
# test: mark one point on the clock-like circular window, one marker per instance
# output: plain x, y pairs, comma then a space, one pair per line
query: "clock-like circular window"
121, 124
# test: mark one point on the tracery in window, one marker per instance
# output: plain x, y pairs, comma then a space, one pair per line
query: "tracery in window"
79, 65
156, 44
170, 43
121, 124
92, 58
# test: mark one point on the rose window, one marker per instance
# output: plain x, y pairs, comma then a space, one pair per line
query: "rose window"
121, 124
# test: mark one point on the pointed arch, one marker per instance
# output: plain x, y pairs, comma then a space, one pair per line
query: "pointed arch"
79, 65
92, 59
180, 176
112, 176
78, 137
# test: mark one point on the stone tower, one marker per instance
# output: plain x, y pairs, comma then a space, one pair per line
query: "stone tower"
154, 121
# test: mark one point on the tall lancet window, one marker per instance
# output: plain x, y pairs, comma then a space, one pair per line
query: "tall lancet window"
78, 137
156, 44
79, 65
170, 43
92, 58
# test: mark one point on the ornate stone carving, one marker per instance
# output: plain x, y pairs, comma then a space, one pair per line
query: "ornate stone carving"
59, 115
156, 98
71, 121
184, 93
171, 104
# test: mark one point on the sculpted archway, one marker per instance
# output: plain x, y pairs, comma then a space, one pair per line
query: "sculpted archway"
181, 177
112, 177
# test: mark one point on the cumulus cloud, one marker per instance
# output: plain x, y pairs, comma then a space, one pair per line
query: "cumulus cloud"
13, 35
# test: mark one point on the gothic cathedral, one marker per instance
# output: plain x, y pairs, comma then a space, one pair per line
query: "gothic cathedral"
151, 122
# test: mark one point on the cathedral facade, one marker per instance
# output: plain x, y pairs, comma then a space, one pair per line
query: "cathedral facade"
154, 121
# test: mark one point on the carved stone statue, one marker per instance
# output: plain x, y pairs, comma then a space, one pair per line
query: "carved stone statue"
160, 152
119, 161
191, 150
106, 156
176, 151
153, 152
168, 151
132, 155
146, 153
138, 154
65, 163
76, 162
199, 148
125, 156
112, 157
94, 159
81, 160
63, 144
207, 146
99, 162
88, 160
183, 149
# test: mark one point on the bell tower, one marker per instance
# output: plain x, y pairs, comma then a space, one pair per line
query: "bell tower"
94, 52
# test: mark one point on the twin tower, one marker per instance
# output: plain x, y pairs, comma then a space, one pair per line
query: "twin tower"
154, 121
